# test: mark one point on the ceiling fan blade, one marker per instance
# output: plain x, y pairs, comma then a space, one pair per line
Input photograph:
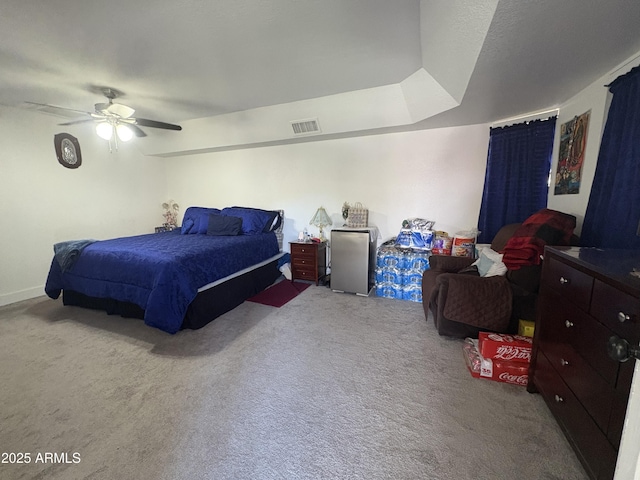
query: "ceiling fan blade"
121, 110
74, 122
101, 107
137, 131
145, 122
54, 110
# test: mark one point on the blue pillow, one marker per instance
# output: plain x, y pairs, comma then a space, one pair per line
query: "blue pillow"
200, 218
224, 225
274, 220
254, 221
187, 225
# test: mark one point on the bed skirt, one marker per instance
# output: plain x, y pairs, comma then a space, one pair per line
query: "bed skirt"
207, 306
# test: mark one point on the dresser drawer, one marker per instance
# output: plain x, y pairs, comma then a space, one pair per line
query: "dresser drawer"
563, 322
586, 384
592, 447
572, 284
617, 310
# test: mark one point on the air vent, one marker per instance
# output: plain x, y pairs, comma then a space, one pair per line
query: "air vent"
306, 127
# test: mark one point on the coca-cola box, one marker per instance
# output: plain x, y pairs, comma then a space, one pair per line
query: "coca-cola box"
516, 373
499, 346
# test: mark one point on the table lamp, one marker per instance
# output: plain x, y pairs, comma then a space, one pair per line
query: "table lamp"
321, 219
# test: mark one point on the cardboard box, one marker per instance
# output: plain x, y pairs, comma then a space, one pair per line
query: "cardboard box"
499, 346
515, 373
526, 328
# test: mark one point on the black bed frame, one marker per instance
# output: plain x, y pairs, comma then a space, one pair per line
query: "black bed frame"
207, 306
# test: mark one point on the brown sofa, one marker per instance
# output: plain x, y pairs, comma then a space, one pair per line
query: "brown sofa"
464, 304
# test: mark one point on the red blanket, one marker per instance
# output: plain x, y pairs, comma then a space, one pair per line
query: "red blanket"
546, 227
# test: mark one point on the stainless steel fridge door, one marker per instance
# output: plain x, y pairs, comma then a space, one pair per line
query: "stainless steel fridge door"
350, 261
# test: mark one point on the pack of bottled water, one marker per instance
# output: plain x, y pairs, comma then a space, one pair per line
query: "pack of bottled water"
416, 233
399, 272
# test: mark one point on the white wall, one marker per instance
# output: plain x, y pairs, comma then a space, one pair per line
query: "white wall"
594, 99
44, 203
434, 174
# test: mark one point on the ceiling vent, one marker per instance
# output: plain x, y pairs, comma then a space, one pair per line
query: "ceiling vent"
306, 127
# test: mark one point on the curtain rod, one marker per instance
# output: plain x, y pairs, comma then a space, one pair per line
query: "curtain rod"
631, 60
522, 117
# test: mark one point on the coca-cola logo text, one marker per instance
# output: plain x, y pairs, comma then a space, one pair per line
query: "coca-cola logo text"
500, 337
510, 352
518, 379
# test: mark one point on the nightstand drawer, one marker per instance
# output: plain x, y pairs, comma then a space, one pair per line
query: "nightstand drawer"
305, 274
304, 261
301, 250
304, 267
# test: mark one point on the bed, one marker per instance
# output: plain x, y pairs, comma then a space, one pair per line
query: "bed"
184, 278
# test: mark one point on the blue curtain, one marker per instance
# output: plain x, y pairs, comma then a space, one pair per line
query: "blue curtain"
613, 212
515, 183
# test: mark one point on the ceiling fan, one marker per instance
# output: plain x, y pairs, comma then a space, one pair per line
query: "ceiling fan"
113, 120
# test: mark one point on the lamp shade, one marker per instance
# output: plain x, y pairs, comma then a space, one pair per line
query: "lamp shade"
124, 132
320, 219
104, 130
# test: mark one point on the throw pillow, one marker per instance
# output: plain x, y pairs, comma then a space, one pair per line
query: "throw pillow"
490, 263
187, 225
222, 225
253, 221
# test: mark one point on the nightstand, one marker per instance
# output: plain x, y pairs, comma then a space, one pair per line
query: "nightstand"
165, 228
308, 261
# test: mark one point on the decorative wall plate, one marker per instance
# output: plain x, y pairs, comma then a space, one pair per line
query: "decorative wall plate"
67, 150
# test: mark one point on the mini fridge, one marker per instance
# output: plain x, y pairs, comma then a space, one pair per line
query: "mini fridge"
353, 256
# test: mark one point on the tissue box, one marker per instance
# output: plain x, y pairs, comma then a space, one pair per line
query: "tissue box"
499, 346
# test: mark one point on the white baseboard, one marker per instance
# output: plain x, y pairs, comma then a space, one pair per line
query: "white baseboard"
7, 298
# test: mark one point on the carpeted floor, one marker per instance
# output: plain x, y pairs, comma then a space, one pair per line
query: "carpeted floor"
330, 386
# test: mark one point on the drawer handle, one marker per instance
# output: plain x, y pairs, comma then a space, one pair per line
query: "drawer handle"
568, 324
620, 350
563, 281
302, 250
302, 261
559, 399
563, 362
623, 317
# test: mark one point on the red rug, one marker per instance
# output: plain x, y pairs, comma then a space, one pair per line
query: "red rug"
279, 294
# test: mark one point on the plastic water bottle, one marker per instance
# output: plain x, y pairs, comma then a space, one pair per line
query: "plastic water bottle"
413, 277
412, 292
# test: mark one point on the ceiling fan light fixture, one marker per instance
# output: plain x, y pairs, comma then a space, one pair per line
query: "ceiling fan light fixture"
104, 130
124, 132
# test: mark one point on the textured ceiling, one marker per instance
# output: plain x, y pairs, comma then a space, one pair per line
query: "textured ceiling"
187, 59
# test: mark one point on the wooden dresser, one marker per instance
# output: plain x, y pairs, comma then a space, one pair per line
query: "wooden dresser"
308, 260
587, 296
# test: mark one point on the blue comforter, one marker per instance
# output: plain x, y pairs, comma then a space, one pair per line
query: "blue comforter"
159, 272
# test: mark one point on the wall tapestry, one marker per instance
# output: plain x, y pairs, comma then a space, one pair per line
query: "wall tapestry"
573, 142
